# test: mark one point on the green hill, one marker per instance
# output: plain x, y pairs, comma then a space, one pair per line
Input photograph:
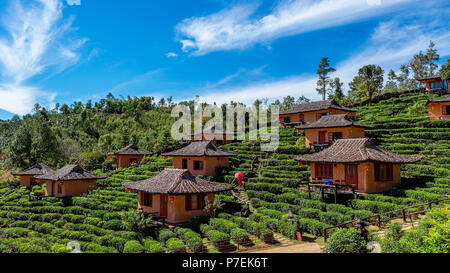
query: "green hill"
271, 185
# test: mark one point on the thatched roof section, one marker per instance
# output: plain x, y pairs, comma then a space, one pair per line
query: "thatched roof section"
176, 181
356, 150
441, 99
316, 106
38, 169
200, 148
131, 150
70, 172
332, 121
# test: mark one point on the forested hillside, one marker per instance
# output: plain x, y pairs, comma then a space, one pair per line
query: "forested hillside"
85, 133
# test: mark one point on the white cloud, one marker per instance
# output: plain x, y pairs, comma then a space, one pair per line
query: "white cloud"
20, 99
37, 42
137, 82
237, 27
74, 2
171, 55
390, 45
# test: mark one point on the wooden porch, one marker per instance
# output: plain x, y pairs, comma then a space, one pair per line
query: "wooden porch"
323, 188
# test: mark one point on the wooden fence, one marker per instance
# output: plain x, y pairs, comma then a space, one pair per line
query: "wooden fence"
379, 219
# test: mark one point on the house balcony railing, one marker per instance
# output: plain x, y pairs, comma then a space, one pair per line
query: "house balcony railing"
320, 146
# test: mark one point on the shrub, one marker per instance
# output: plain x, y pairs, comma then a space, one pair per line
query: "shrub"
240, 236
95, 221
133, 247
110, 216
316, 204
310, 213
164, 234
345, 241
333, 218
152, 246
176, 245
113, 224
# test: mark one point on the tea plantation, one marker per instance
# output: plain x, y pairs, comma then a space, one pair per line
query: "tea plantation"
271, 186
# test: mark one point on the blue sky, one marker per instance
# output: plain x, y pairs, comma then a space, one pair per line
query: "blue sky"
69, 50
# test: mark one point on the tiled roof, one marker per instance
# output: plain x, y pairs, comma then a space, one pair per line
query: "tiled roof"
37, 169
200, 148
441, 99
316, 106
176, 181
70, 172
355, 150
131, 150
332, 121
432, 77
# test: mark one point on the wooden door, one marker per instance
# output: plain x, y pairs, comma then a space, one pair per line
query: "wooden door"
351, 175
163, 205
322, 136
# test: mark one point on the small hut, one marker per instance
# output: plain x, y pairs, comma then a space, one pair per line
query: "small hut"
357, 162
175, 194
331, 128
435, 84
70, 180
439, 108
27, 177
312, 111
200, 157
215, 134
128, 156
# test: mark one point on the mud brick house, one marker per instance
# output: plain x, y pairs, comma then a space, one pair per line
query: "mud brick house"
215, 134
312, 112
434, 84
331, 128
357, 162
127, 156
200, 158
439, 108
70, 180
27, 177
175, 194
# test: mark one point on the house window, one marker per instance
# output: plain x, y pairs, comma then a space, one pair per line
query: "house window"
133, 161
301, 118
184, 163
383, 172
147, 199
59, 187
195, 201
337, 135
287, 120
198, 165
324, 170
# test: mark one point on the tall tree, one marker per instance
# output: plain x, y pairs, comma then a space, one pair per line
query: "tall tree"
431, 57
337, 93
323, 84
445, 71
418, 65
391, 83
371, 80
287, 103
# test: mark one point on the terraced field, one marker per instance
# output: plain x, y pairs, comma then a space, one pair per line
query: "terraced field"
271, 185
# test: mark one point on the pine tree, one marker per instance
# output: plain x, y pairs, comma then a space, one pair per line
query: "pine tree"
445, 71
431, 57
323, 84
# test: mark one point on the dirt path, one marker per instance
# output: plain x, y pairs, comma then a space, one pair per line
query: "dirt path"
296, 248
